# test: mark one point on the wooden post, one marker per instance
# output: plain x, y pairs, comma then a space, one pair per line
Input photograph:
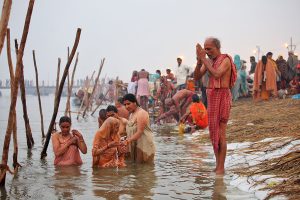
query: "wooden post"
61, 86
71, 86
57, 79
100, 103
38, 93
4, 21
85, 96
95, 85
29, 137
15, 93
12, 77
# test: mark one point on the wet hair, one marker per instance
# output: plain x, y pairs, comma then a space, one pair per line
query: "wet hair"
264, 60
131, 97
121, 100
195, 98
102, 114
111, 108
64, 119
215, 41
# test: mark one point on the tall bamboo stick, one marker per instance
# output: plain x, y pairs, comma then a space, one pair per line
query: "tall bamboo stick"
29, 137
38, 93
61, 86
57, 79
4, 21
15, 92
12, 77
95, 85
85, 96
71, 86
100, 103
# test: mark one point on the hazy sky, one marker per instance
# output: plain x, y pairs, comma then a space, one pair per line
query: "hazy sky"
150, 34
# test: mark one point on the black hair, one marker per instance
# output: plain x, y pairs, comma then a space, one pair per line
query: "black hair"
111, 108
121, 100
158, 71
102, 114
264, 60
64, 119
195, 98
131, 98
269, 54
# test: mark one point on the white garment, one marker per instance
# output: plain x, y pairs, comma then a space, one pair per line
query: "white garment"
181, 73
131, 88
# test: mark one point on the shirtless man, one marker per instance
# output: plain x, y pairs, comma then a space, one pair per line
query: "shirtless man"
122, 111
222, 76
178, 103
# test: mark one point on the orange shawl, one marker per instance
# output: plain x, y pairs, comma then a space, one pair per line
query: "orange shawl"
107, 133
270, 76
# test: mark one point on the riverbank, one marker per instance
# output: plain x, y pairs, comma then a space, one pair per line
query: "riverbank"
264, 150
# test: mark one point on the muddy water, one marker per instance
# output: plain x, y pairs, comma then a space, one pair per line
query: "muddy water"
182, 170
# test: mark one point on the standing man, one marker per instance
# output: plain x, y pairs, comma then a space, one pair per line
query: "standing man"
181, 74
143, 91
222, 77
253, 65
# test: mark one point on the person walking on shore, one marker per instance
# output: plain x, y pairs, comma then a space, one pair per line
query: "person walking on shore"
222, 77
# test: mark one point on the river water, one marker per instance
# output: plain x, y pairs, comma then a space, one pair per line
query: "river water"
182, 170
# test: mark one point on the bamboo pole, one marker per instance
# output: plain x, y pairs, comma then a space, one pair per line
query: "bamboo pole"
68, 86
29, 137
61, 86
38, 93
100, 103
4, 21
12, 77
94, 88
85, 96
71, 86
57, 79
15, 93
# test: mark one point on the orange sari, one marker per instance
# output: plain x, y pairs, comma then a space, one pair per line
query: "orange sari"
108, 157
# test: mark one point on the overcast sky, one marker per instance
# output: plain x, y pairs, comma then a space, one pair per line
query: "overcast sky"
150, 34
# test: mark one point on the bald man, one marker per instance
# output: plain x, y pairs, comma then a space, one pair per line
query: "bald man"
222, 76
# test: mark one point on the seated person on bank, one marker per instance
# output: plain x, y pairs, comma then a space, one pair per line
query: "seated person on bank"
196, 117
177, 104
66, 144
295, 85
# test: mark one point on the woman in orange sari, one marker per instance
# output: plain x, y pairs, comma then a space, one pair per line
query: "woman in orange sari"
107, 150
66, 144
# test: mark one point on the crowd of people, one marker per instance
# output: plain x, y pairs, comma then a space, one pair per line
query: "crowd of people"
197, 98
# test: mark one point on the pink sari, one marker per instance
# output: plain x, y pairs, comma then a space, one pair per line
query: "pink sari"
70, 157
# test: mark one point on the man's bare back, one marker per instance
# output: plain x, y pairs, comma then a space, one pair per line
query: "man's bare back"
182, 94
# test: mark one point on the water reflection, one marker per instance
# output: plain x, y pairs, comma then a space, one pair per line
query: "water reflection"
219, 189
68, 182
134, 181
